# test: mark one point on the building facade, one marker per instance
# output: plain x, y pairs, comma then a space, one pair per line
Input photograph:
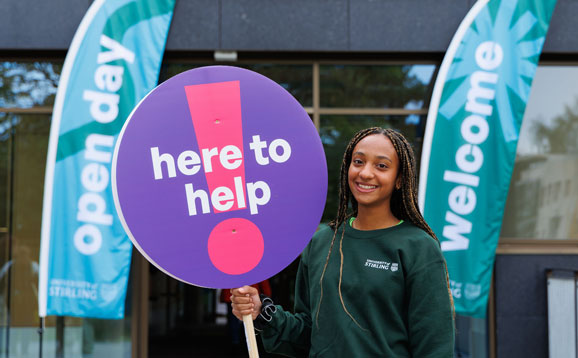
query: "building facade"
351, 64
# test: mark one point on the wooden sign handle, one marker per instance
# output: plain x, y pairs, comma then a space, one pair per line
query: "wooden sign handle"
250, 335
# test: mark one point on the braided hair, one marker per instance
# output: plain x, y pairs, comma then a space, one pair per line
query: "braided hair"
403, 204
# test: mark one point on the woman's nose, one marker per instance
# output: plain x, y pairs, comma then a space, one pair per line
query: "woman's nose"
366, 172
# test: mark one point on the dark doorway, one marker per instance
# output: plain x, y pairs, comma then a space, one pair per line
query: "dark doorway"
189, 321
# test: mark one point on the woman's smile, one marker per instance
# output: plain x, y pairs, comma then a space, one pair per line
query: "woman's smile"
365, 187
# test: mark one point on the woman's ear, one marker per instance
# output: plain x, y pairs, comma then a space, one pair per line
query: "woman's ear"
398, 183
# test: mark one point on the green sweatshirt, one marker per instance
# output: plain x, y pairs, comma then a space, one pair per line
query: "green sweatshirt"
393, 285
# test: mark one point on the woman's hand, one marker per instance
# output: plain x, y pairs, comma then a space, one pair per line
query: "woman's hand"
245, 301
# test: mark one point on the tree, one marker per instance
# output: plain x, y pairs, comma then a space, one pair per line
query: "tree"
561, 135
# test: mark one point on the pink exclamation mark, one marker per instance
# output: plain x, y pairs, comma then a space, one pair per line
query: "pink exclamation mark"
235, 245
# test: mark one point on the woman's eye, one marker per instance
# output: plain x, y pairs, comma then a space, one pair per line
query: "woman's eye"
382, 166
357, 161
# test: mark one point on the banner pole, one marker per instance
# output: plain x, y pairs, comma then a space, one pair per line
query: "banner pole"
40, 334
250, 335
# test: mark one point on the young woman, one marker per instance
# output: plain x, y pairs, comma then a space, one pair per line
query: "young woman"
374, 282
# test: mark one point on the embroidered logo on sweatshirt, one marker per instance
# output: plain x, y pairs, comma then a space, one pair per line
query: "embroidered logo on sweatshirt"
382, 265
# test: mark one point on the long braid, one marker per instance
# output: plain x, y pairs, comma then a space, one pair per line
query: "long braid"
344, 191
404, 203
407, 208
342, 215
323, 274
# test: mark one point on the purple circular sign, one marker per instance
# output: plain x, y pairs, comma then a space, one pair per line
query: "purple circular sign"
219, 177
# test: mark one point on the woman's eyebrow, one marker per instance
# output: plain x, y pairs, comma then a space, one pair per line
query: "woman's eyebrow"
382, 157
385, 157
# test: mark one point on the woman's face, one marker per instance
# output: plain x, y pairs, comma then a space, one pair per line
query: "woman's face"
372, 174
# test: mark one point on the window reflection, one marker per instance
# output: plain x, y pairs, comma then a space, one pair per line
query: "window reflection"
296, 79
543, 198
376, 86
28, 84
5, 148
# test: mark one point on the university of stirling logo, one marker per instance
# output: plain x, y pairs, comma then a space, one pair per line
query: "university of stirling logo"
382, 265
